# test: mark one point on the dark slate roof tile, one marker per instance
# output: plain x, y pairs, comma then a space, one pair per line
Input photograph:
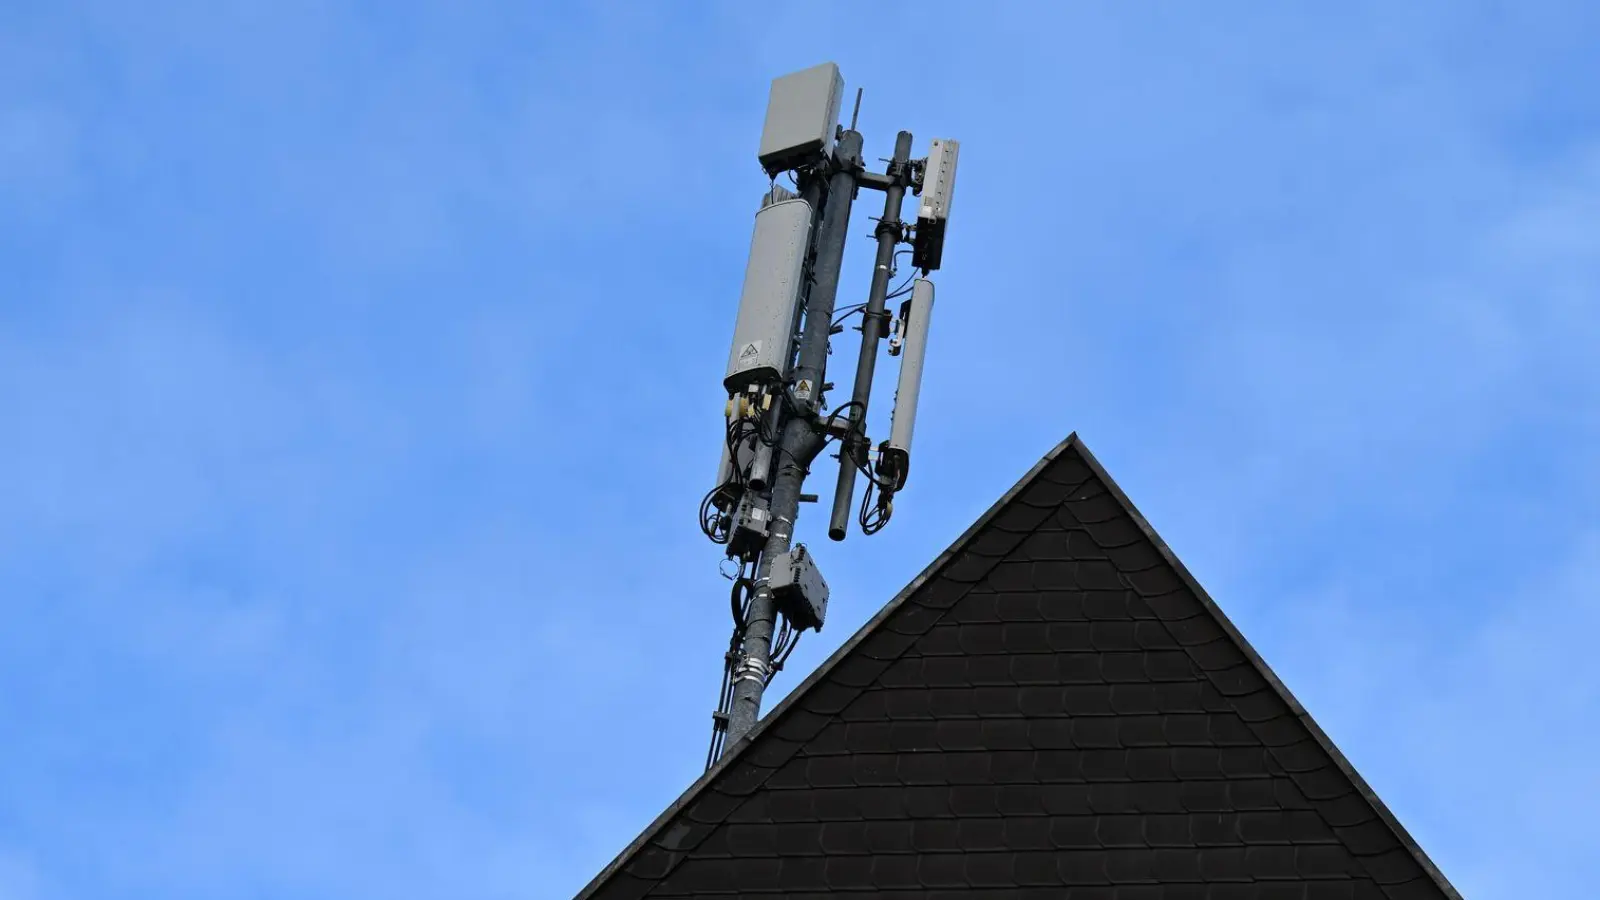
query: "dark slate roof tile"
1105, 765
848, 871
860, 672
881, 804
1214, 829
959, 734
1036, 701
1246, 762
1150, 764
1196, 763
974, 800
967, 568
1047, 494
886, 644
1257, 703
1365, 839
1134, 557
712, 808
803, 873
743, 780
1053, 703
1270, 861
1021, 669
790, 777
1141, 731
901, 706
1133, 700
1218, 653
1277, 730
1161, 583
800, 725
1205, 796
937, 870
1391, 867
1226, 730
1170, 866
772, 753
1094, 507
1166, 830
938, 594
995, 701
1322, 784
1420, 888
1020, 518
1194, 630
1324, 861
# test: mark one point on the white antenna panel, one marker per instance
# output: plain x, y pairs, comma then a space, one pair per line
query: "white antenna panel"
763, 334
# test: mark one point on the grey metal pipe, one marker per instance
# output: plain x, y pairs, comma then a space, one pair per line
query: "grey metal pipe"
800, 442
872, 331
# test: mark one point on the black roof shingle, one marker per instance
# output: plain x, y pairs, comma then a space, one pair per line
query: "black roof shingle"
1053, 703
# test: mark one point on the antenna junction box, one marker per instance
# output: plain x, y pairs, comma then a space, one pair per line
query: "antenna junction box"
802, 114
798, 589
750, 526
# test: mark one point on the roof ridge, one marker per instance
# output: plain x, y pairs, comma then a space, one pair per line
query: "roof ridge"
965, 564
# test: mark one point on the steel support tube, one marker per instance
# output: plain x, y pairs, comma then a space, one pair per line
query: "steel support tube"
873, 319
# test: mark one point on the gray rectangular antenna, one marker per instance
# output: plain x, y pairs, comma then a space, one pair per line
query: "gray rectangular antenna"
763, 333
894, 457
802, 113
938, 187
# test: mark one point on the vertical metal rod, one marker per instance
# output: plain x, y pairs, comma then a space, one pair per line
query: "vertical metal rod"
872, 331
800, 442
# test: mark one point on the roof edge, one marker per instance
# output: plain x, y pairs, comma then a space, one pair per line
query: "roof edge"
1260, 664
733, 753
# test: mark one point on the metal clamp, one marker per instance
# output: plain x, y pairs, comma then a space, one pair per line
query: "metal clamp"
753, 669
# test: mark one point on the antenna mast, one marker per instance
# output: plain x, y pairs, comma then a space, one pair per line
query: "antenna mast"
777, 418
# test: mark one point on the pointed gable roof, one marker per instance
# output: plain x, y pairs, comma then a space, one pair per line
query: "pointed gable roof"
1053, 703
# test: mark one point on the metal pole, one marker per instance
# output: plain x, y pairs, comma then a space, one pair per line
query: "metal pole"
872, 331
800, 442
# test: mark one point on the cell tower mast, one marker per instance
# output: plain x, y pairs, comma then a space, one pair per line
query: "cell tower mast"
777, 416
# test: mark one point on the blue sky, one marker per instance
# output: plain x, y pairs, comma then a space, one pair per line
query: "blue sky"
359, 366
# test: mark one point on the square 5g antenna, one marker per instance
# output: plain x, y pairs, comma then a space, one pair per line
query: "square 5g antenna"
802, 115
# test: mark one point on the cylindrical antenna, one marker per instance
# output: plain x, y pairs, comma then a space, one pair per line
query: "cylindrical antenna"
857, 112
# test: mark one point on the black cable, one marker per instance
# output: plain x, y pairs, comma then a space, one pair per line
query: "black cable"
739, 597
873, 517
903, 289
848, 312
790, 639
713, 522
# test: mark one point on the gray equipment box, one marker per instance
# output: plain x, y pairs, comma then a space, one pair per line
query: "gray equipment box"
798, 589
751, 525
802, 114
938, 187
763, 333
